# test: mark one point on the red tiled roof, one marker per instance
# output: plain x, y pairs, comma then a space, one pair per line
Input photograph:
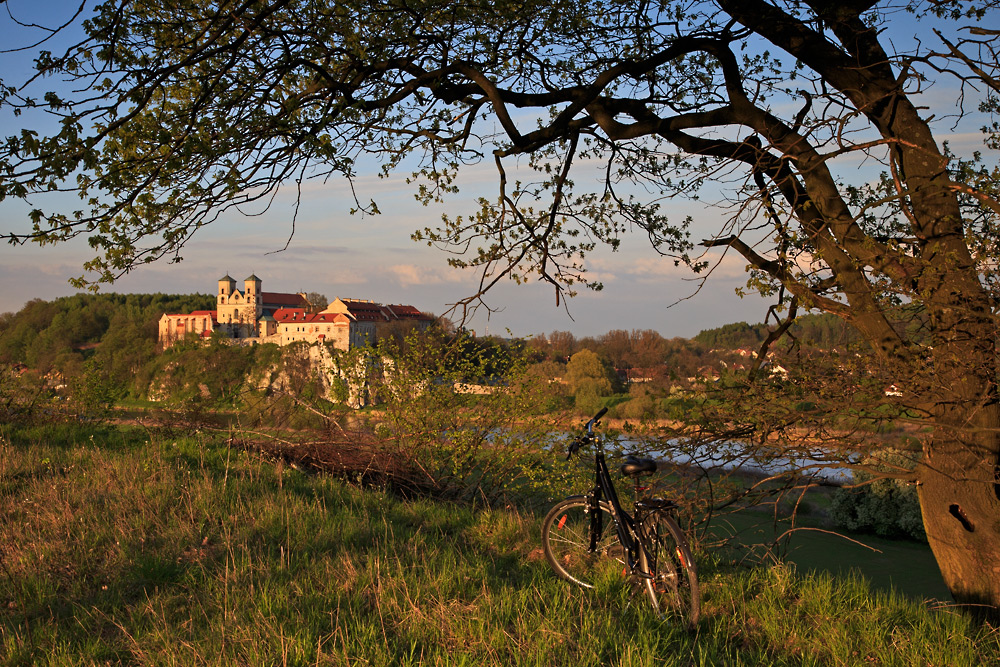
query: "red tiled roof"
327, 317
365, 311
300, 315
401, 312
196, 313
281, 299
367, 316
290, 315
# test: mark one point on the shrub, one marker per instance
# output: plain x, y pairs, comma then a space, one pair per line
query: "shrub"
883, 506
641, 405
23, 394
468, 421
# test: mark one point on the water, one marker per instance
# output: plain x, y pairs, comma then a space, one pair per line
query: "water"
732, 455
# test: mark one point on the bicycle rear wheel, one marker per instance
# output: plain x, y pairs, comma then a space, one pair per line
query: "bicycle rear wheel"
672, 583
566, 540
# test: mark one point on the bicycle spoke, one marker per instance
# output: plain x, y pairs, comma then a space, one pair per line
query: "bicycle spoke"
672, 585
566, 543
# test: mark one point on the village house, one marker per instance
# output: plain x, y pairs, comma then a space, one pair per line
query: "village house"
253, 316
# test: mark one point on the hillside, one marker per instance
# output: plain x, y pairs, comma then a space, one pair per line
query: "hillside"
822, 331
104, 349
125, 546
62, 333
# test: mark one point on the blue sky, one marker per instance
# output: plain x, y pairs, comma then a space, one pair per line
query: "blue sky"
372, 257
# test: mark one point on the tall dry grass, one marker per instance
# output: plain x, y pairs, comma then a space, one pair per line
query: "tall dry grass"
123, 546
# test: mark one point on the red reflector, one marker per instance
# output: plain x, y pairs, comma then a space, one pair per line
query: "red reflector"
562, 522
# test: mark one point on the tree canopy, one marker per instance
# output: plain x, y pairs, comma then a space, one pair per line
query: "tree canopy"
813, 125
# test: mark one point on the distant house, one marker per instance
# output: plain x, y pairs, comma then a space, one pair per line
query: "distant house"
255, 316
345, 323
176, 327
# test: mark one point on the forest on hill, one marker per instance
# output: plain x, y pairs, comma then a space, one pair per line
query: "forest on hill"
63, 333
823, 331
91, 352
117, 334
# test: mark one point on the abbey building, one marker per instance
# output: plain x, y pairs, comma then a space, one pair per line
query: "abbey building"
253, 316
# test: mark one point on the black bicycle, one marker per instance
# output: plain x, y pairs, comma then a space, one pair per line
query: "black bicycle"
647, 548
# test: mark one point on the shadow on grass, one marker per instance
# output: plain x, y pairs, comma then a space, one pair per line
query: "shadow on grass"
888, 565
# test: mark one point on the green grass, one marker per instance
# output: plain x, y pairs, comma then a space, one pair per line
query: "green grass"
122, 546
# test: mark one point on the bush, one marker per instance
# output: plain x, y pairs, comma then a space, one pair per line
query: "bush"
23, 394
641, 405
95, 392
467, 420
885, 507
588, 398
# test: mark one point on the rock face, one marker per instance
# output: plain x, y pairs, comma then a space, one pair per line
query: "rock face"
300, 370
340, 378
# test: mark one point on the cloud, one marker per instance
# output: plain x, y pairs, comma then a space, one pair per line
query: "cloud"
656, 269
412, 275
257, 246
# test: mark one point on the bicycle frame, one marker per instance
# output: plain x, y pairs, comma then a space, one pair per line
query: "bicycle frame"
654, 552
625, 525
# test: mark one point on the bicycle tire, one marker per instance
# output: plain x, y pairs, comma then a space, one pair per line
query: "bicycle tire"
670, 574
566, 543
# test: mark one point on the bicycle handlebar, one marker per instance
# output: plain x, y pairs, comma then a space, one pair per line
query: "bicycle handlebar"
578, 441
593, 422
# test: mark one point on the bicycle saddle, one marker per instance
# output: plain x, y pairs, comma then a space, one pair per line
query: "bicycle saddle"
635, 466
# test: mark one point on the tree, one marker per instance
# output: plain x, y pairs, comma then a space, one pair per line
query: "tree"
648, 348
562, 344
317, 302
617, 347
177, 112
588, 379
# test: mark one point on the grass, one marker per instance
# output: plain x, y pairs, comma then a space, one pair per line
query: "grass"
123, 546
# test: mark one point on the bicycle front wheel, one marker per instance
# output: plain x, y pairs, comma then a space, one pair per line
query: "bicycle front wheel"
671, 579
566, 541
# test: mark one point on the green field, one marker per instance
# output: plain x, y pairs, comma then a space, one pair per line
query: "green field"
129, 546
888, 565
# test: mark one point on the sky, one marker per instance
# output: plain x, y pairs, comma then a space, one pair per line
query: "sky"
372, 257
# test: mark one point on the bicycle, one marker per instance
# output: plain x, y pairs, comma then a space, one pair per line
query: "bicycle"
647, 547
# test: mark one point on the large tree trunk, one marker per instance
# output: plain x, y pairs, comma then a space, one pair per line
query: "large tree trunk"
959, 493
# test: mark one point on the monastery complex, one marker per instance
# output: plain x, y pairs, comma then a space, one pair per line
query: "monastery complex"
253, 316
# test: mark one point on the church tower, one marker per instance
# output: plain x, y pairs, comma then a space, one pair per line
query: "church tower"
254, 301
227, 285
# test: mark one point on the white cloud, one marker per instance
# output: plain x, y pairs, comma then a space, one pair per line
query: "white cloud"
656, 269
412, 275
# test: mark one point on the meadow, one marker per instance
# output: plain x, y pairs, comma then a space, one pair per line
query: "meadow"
134, 546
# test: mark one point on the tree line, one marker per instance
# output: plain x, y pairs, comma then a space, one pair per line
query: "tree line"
118, 332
